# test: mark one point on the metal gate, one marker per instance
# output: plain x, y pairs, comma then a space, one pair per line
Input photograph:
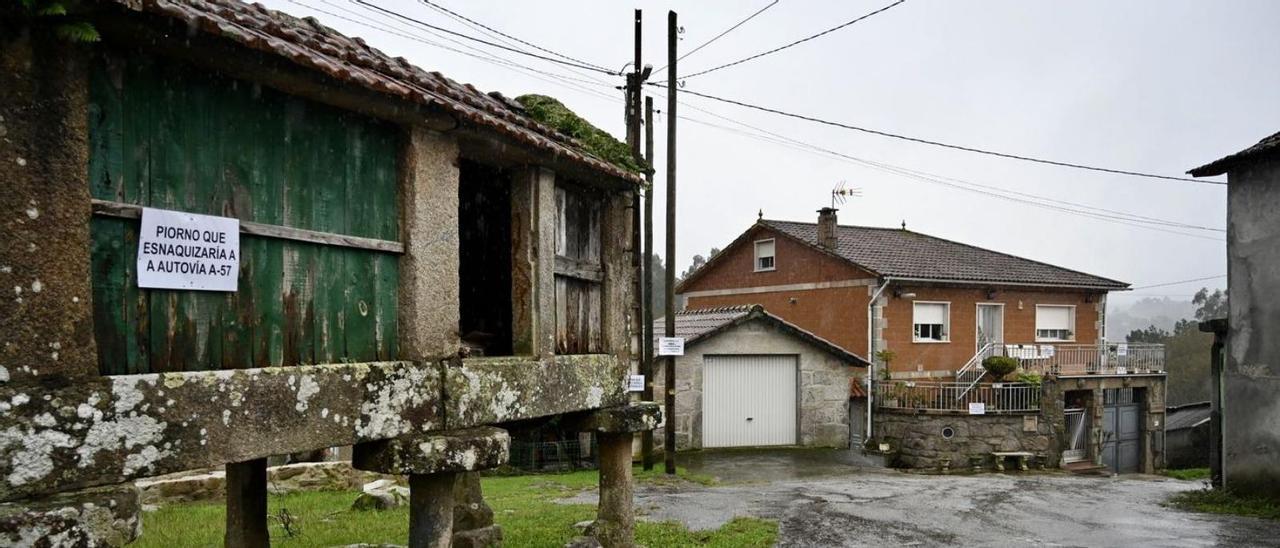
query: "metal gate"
1078, 430
1121, 429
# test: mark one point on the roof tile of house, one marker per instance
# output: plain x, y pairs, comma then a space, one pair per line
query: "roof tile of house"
1268, 146
308, 43
900, 253
697, 324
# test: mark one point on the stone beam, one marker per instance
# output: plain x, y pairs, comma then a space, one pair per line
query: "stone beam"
533, 233
497, 390
631, 418
466, 450
108, 430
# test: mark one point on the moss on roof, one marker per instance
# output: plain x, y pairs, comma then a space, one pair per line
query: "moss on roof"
553, 113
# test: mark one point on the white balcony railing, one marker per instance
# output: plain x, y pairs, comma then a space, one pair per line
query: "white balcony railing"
1086, 359
1009, 397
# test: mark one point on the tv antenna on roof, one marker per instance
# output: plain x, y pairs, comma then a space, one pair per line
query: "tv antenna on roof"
841, 193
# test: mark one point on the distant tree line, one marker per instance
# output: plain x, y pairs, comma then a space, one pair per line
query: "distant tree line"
1187, 348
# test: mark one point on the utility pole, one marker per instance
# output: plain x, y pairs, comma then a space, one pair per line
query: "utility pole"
646, 345
634, 80
669, 450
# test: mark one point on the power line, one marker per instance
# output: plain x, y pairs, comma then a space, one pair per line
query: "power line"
795, 43
939, 143
1180, 282
486, 42
503, 34
721, 35
1119, 217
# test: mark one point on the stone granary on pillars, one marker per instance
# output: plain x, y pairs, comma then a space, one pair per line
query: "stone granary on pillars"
1247, 373
417, 262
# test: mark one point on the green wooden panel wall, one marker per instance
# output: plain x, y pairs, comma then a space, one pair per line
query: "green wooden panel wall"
167, 136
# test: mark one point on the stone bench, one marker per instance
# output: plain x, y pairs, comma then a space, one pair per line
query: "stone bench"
1022, 457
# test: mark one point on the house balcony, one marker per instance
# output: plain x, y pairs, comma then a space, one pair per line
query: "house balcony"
1067, 360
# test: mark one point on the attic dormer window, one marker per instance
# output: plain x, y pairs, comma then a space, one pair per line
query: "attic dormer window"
764, 255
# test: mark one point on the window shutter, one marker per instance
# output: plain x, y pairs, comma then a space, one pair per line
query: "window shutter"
930, 313
764, 249
1053, 317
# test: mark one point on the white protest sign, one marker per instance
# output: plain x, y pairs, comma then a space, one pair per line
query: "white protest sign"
977, 408
670, 346
635, 383
178, 250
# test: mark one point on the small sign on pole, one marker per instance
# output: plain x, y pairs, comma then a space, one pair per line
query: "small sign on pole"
635, 383
977, 408
670, 346
1122, 349
178, 250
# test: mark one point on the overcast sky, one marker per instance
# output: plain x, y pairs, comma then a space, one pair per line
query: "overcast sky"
1154, 86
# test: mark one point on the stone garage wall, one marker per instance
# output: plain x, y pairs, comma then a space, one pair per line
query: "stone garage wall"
918, 437
823, 395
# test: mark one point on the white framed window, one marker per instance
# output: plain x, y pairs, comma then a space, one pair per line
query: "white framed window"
764, 256
931, 321
1055, 322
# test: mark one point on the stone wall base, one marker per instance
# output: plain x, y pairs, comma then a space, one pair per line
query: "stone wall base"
919, 440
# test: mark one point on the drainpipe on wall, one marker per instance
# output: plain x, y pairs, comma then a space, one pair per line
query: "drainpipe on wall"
871, 353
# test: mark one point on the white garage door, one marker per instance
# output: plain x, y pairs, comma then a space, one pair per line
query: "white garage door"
748, 401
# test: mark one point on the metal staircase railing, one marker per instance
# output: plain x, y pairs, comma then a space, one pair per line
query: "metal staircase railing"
972, 372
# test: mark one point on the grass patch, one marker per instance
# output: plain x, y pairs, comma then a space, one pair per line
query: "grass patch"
1218, 501
523, 505
1188, 473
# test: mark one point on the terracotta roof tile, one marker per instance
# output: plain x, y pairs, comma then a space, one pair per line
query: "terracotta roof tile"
309, 43
900, 253
1267, 146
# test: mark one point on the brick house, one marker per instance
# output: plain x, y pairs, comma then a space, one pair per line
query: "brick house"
936, 308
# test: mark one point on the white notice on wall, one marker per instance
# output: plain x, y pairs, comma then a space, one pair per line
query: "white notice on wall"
635, 383
670, 346
178, 250
977, 408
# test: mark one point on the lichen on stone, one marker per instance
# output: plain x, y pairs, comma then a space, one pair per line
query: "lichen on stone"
591, 139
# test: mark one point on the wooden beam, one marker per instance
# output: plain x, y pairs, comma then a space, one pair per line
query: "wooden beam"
582, 270
122, 210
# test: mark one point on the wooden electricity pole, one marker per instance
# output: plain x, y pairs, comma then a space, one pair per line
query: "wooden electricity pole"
669, 409
646, 345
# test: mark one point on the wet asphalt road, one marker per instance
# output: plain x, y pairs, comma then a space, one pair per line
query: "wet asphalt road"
832, 500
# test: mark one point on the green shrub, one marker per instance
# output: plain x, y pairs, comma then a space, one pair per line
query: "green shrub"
999, 366
1033, 379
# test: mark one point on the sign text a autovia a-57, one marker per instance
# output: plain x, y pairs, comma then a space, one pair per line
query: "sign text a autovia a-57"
179, 250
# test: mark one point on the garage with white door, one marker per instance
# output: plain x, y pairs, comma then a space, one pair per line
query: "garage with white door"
749, 400
751, 379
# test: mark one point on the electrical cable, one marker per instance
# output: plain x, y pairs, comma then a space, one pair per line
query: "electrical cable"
719, 36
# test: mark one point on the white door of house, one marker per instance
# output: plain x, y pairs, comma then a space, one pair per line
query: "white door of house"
748, 401
990, 324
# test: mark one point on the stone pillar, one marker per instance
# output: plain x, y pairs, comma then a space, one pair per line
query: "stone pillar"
615, 516
615, 427
434, 463
429, 298
431, 510
533, 243
46, 316
247, 505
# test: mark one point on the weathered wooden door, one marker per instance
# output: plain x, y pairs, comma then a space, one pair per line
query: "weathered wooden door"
167, 136
579, 272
